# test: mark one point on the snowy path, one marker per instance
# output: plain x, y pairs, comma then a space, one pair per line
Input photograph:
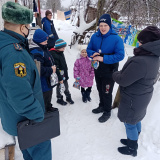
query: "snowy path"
83, 137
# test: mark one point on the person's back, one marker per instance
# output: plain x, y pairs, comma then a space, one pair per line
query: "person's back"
148, 73
20, 89
136, 80
17, 68
13, 81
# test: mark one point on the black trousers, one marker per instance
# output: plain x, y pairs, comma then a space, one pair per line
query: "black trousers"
47, 96
66, 92
105, 88
88, 89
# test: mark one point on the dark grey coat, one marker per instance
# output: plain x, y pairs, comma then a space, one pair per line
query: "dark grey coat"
136, 81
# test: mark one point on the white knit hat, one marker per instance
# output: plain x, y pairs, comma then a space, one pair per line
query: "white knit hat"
82, 46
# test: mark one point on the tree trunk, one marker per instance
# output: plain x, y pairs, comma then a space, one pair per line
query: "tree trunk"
38, 20
100, 11
86, 11
39, 15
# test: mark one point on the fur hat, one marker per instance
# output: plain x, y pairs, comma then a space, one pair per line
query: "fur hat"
60, 43
105, 18
40, 36
149, 34
17, 14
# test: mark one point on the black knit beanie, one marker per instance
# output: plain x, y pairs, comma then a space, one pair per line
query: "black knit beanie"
149, 34
105, 18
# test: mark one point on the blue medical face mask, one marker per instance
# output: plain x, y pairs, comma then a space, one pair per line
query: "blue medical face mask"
137, 44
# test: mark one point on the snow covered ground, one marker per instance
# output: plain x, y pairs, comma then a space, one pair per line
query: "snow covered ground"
82, 136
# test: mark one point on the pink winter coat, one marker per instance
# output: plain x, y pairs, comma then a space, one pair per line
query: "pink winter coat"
84, 70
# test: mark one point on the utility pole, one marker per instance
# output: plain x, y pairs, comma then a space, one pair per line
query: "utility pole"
39, 15
39, 7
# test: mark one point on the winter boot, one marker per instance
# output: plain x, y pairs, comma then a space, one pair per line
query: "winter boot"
130, 149
84, 98
49, 108
98, 110
52, 109
124, 141
61, 101
105, 116
69, 100
88, 96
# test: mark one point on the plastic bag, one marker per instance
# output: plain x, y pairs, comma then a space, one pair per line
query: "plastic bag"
76, 85
95, 64
54, 79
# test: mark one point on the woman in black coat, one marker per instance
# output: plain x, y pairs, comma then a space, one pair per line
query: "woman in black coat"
136, 81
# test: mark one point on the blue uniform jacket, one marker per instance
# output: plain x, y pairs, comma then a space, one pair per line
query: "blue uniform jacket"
49, 28
20, 88
110, 43
42, 55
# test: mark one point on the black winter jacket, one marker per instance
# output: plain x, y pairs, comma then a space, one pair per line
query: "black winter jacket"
60, 62
136, 81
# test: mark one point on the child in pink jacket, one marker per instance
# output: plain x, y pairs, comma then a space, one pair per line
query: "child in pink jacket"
85, 73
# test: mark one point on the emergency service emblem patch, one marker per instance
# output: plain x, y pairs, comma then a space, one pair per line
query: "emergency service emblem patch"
20, 69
